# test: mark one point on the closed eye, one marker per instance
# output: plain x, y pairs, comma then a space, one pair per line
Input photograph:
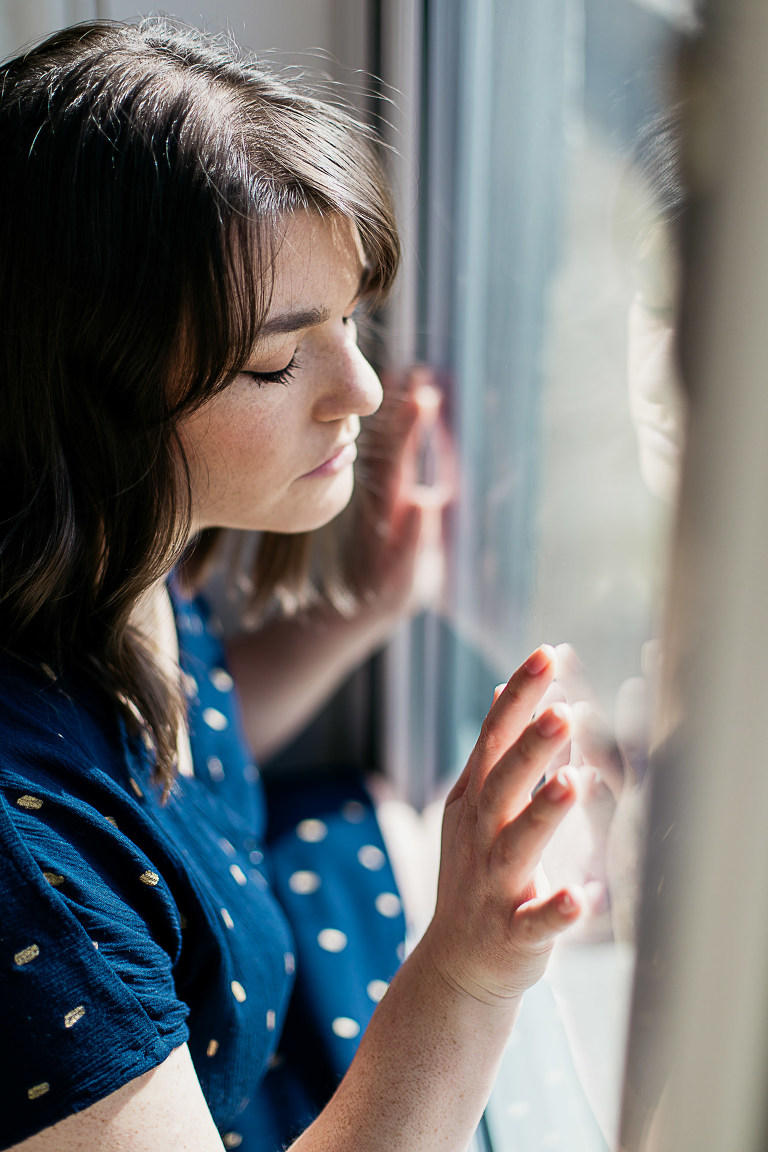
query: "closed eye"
281, 376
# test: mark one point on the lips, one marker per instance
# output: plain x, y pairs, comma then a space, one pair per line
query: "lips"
341, 458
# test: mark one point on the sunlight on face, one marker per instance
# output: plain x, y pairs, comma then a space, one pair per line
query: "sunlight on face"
655, 400
655, 397
275, 450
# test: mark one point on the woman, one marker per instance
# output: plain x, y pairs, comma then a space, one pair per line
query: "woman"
185, 241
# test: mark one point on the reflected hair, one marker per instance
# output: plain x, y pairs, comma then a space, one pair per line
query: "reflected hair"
146, 168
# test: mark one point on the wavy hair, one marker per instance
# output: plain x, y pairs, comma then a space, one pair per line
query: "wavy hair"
145, 169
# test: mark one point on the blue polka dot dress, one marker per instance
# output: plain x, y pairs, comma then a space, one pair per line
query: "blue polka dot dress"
260, 926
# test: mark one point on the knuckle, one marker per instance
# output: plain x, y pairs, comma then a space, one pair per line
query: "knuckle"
490, 744
529, 747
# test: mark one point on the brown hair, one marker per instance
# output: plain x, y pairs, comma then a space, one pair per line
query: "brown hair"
145, 169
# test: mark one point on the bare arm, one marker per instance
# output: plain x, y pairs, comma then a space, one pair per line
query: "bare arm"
163, 1109
287, 670
426, 1063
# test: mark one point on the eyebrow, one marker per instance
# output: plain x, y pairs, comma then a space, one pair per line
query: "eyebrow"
308, 318
293, 321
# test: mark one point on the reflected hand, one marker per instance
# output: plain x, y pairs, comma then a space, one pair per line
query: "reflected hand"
495, 924
598, 844
397, 548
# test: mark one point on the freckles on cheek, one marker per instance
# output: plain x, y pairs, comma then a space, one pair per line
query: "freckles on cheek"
252, 450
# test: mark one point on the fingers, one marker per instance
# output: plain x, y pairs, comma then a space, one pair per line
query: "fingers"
519, 844
633, 719
598, 746
395, 431
595, 740
537, 921
509, 714
508, 786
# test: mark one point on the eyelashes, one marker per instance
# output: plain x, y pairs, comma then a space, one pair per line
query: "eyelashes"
285, 375
282, 376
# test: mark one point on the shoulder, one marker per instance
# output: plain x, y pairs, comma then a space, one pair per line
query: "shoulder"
47, 718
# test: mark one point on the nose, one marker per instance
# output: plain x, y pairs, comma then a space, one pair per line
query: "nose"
349, 386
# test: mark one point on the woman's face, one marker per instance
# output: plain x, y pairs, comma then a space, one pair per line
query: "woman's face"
277, 454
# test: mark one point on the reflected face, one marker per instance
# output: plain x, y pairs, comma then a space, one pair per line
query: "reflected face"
655, 400
275, 450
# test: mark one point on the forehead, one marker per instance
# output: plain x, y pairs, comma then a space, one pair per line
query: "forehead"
319, 260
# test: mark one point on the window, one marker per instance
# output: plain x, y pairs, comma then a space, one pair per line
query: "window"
544, 259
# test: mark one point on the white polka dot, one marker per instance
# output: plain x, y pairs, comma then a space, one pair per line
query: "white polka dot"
371, 857
270, 1020
400, 953
256, 857
231, 1139
290, 963
345, 1027
213, 1047
149, 878
387, 904
258, 879
238, 991
312, 831
221, 680
215, 719
376, 989
237, 874
304, 883
226, 847
332, 940
227, 918
517, 1109
38, 1090
354, 812
215, 768
250, 773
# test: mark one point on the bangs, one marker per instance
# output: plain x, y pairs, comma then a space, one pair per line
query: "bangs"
313, 158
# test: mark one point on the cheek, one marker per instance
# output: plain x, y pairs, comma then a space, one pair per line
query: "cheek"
234, 438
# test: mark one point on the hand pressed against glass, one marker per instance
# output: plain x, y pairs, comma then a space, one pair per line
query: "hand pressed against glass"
275, 450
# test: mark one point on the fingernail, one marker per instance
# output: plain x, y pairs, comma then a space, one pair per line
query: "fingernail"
553, 720
538, 660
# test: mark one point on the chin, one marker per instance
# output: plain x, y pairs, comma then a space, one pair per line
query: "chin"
319, 512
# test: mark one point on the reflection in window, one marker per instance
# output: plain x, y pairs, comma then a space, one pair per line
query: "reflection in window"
546, 306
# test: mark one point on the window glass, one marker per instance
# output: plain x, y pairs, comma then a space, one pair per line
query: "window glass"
547, 306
